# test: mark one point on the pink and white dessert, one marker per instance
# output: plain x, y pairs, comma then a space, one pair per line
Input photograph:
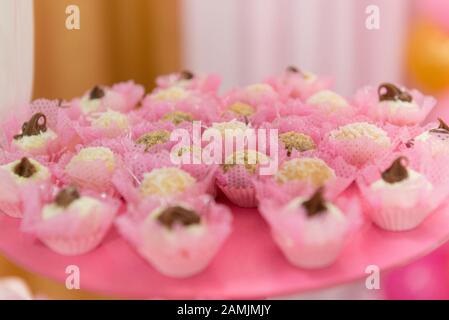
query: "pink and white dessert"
394, 105
328, 102
122, 97
178, 238
14, 176
236, 177
70, 224
400, 199
190, 81
294, 83
34, 138
92, 168
111, 124
310, 231
359, 142
437, 138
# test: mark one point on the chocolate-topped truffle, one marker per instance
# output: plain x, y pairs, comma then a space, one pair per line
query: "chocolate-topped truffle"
25, 168
442, 128
397, 172
96, 93
66, 196
33, 127
389, 92
178, 214
186, 75
316, 204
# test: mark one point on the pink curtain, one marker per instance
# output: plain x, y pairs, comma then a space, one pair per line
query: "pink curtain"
247, 40
16, 53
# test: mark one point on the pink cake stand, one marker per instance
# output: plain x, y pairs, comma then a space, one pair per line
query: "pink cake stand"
248, 266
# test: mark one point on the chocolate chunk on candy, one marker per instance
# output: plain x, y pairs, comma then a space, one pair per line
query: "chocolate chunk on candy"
66, 196
186, 75
442, 128
397, 172
389, 92
25, 168
180, 215
96, 93
33, 127
316, 204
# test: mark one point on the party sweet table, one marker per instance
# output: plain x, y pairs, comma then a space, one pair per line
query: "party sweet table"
248, 266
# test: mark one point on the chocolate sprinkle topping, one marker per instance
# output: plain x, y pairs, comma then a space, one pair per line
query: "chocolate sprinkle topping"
25, 168
66, 196
397, 172
178, 214
32, 127
442, 128
186, 75
389, 92
315, 204
96, 93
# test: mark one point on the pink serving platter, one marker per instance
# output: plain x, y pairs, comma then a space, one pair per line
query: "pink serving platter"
248, 266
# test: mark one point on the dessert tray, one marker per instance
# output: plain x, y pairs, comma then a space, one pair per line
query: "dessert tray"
248, 266
94, 186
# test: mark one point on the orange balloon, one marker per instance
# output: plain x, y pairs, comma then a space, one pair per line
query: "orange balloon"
428, 57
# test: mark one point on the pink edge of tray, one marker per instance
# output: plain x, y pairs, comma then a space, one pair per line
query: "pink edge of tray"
248, 266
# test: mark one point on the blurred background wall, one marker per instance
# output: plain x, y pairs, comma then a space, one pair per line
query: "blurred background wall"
247, 40
16, 53
118, 40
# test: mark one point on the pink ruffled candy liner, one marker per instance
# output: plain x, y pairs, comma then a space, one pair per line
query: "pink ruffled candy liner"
13, 124
204, 84
119, 146
293, 86
128, 178
362, 150
10, 202
130, 92
304, 249
253, 99
265, 105
67, 233
139, 163
323, 114
238, 186
142, 128
203, 108
57, 120
8, 156
180, 254
296, 124
90, 134
437, 146
410, 208
90, 174
368, 101
345, 175
122, 97
294, 107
